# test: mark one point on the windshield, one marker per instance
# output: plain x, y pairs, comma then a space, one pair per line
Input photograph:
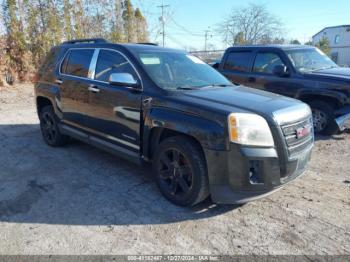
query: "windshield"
173, 71
308, 60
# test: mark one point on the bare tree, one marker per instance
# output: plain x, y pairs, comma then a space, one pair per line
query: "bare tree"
253, 24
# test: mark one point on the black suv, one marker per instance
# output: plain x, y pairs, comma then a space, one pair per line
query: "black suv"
301, 72
203, 135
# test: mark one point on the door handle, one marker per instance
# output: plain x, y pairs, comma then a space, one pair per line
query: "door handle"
58, 81
93, 89
146, 101
251, 79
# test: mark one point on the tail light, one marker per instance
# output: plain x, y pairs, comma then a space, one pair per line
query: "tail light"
35, 78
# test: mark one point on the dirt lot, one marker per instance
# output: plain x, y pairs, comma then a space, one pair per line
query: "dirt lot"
79, 200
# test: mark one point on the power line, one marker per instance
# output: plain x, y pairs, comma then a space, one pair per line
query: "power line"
163, 21
177, 42
182, 27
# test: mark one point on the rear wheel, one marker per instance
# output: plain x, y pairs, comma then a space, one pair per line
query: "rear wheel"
323, 118
49, 128
181, 171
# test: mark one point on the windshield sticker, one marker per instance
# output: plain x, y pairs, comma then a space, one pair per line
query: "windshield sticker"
195, 59
150, 60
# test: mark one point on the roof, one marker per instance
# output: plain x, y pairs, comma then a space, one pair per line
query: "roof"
329, 27
273, 46
100, 42
144, 47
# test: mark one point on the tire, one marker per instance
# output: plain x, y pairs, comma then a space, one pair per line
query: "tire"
323, 118
179, 160
49, 128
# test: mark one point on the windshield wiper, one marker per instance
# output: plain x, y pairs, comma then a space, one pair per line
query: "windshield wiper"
222, 85
186, 88
200, 87
216, 85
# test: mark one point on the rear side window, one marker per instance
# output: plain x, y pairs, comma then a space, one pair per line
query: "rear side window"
238, 61
265, 62
77, 62
110, 62
50, 60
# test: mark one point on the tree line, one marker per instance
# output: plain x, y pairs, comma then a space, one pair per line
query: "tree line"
254, 24
32, 27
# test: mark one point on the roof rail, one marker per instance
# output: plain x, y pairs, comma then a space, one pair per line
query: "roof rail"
85, 41
147, 44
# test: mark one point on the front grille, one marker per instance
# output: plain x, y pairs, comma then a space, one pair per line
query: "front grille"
295, 139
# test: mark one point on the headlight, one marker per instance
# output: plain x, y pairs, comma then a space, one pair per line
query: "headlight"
249, 129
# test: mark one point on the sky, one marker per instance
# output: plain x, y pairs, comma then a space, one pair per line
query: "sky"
187, 20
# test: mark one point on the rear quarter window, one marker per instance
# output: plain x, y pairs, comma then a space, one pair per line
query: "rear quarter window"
238, 61
77, 62
50, 60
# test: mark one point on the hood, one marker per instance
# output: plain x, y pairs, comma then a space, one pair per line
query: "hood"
240, 98
339, 73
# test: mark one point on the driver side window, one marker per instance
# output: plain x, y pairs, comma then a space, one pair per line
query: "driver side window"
110, 62
265, 62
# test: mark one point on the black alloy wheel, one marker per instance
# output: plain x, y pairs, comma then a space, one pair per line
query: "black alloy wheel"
180, 169
175, 172
49, 128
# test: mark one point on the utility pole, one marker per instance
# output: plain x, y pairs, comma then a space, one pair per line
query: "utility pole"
163, 21
206, 35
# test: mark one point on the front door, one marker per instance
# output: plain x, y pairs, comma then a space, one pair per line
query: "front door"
114, 111
262, 76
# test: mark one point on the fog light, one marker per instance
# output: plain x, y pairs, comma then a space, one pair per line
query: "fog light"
254, 172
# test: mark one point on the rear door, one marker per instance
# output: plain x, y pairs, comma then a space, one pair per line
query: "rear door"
262, 76
114, 111
237, 66
74, 82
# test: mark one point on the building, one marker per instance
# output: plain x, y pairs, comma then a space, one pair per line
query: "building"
339, 41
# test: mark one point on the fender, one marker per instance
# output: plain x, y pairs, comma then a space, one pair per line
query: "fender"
52, 93
340, 97
210, 134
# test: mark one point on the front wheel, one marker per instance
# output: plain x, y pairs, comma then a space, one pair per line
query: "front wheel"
323, 118
181, 172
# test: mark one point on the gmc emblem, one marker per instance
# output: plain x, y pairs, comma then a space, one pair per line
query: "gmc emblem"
303, 131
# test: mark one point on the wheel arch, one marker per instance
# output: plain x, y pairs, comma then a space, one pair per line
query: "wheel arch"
41, 102
161, 124
332, 99
159, 134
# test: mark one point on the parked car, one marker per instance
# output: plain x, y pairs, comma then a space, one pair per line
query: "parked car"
203, 135
298, 71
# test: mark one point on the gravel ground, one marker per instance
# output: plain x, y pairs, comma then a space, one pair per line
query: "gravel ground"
80, 200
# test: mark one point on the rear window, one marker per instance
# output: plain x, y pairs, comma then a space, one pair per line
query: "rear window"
238, 61
77, 62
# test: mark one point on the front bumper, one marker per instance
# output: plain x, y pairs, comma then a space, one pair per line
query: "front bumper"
243, 174
343, 118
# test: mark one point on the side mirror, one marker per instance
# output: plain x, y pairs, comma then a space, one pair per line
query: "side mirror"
123, 79
216, 65
280, 70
